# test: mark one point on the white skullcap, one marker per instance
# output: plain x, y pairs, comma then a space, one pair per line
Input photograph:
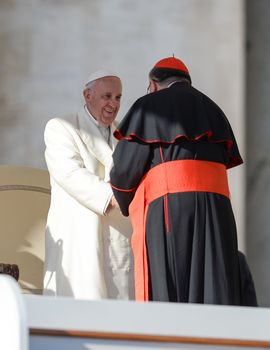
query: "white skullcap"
101, 73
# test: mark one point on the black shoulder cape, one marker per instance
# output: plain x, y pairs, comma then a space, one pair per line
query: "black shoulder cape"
179, 111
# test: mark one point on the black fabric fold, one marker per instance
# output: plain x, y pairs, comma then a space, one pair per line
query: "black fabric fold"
192, 115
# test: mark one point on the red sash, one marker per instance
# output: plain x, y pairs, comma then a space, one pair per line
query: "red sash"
168, 177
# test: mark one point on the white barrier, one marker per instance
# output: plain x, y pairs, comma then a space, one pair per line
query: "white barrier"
13, 321
67, 324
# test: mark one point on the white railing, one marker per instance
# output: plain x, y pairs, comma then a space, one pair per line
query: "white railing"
14, 333
41, 323
63, 323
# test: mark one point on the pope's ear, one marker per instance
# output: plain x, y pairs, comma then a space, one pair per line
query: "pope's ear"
86, 93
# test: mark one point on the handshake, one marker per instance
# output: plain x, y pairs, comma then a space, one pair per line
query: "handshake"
113, 204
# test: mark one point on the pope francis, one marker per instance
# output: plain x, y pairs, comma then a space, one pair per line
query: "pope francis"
87, 250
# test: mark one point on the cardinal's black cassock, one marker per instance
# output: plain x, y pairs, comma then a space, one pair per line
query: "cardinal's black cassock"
170, 175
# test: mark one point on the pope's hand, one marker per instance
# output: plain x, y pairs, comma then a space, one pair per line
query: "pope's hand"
113, 204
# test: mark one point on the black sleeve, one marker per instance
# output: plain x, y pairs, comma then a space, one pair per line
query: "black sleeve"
131, 161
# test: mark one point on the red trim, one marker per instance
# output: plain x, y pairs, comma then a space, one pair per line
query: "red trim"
209, 134
161, 154
169, 177
122, 190
234, 161
166, 206
166, 213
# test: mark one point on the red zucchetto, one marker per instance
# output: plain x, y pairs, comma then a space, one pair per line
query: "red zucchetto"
172, 63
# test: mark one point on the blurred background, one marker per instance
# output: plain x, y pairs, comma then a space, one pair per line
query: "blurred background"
48, 48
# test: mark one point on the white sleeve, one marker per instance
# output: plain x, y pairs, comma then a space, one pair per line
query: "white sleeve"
67, 168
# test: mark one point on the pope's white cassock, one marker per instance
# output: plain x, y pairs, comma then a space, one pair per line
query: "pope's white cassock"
88, 253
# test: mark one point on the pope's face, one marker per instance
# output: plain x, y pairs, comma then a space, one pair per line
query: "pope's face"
103, 99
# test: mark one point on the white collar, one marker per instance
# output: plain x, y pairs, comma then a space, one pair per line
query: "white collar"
173, 82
